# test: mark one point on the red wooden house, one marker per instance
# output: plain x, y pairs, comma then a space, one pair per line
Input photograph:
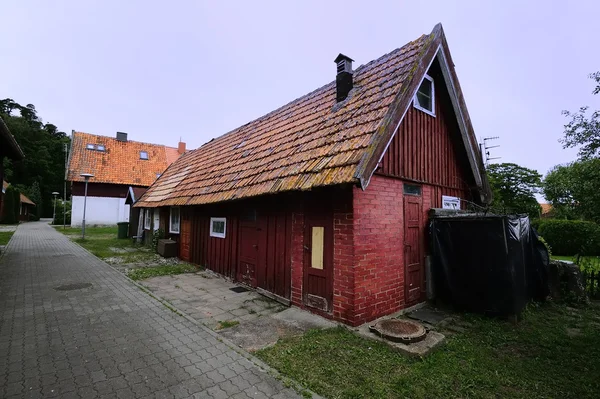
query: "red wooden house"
323, 202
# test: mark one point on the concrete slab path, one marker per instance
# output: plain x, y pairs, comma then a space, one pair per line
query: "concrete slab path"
60, 337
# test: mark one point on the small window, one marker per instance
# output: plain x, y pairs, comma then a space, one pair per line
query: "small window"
424, 99
90, 147
174, 220
147, 219
412, 189
100, 147
143, 154
217, 227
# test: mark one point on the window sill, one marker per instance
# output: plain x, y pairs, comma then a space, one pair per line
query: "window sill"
428, 112
173, 232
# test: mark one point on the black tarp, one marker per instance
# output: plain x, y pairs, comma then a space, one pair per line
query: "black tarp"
487, 264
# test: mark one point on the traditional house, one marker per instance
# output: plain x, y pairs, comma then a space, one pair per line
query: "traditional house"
8, 149
323, 202
116, 163
26, 206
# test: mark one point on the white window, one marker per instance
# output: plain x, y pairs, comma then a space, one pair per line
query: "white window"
425, 97
143, 154
90, 147
147, 219
174, 220
100, 147
217, 227
156, 219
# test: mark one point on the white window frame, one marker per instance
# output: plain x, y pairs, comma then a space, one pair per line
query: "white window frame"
416, 100
147, 219
101, 148
147, 155
171, 229
217, 234
90, 146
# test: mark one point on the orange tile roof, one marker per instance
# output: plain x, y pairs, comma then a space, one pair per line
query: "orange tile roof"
22, 197
312, 141
546, 208
120, 163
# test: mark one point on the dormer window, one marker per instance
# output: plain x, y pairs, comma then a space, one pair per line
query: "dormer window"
425, 97
144, 155
90, 147
100, 147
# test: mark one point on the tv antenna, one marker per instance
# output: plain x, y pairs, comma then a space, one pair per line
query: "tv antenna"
485, 149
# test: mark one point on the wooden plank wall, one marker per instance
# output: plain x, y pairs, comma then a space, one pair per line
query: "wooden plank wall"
424, 148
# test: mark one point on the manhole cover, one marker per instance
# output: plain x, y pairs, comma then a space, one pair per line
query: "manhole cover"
74, 286
399, 330
239, 289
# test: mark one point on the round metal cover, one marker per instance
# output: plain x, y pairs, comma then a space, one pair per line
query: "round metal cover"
74, 286
399, 330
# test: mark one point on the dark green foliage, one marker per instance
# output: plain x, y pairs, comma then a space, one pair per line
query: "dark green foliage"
43, 146
582, 130
11, 205
60, 210
574, 189
514, 188
570, 237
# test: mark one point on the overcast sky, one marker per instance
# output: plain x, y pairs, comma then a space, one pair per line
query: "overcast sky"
160, 70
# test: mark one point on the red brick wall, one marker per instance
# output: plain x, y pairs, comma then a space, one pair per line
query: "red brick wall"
378, 249
343, 257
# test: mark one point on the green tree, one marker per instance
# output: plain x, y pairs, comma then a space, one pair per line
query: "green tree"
11, 205
514, 188
583, 130
574, 189
43, 146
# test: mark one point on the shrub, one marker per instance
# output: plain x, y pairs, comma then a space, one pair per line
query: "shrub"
548, 247
60, 212
570, 237
11, 205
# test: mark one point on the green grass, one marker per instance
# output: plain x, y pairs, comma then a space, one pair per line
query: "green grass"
5, 237
492, 359
147, 272
103, 242
567, 258
227, 324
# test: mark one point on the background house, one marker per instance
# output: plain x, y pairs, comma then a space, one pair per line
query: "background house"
8, 149
26, 206
323, 202
116, 163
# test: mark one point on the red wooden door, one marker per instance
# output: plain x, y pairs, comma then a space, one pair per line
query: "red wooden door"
317, 290
184, 240
413, 245
252, 245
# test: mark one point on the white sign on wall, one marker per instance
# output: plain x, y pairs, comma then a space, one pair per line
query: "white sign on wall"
449, 202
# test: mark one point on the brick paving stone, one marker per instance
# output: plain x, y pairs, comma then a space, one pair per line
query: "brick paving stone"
107, 340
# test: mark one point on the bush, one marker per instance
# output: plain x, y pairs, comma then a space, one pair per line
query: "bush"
11, 205
59, 212
570, 237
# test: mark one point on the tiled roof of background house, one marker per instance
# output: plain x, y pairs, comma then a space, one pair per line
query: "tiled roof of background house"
23, 197
312, 141
120, 162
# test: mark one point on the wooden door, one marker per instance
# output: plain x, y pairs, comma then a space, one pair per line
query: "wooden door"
252, 246
317, 290
414, 264
185, 239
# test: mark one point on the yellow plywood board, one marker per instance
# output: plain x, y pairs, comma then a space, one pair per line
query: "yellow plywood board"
318, 241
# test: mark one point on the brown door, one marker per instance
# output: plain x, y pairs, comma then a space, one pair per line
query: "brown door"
252, 246
184, 240
413, 245
318, 262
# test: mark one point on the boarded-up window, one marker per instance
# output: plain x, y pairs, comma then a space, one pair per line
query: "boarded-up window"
318, 237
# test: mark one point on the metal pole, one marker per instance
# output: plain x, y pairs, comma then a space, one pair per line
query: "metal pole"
84, 205
54, 213
65, 196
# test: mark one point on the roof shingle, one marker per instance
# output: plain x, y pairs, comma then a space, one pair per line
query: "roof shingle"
120, 162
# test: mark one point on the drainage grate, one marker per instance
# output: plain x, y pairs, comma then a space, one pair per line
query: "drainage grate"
74, 286
239, 289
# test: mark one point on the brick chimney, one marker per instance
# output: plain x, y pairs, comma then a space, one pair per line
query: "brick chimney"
181, 147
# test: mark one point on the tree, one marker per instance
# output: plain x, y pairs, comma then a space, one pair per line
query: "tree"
583, 129
514, 188
43, 146
574, 189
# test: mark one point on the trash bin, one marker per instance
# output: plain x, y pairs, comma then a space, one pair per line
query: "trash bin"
123, 229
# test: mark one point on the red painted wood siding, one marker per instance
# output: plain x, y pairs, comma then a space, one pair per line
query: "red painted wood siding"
428, 149
100, 190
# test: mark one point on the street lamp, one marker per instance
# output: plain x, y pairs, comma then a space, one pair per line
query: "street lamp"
54, 213
86, 176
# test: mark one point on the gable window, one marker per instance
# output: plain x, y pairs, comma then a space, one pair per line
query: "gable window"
147, 219
143, 154
174, 220
425, 97
217, 227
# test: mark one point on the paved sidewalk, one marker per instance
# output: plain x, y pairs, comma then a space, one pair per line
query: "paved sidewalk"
107, 340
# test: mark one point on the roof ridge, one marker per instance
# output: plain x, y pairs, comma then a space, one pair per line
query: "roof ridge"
128, 141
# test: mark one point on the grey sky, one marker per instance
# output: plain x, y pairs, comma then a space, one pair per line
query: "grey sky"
159, 70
